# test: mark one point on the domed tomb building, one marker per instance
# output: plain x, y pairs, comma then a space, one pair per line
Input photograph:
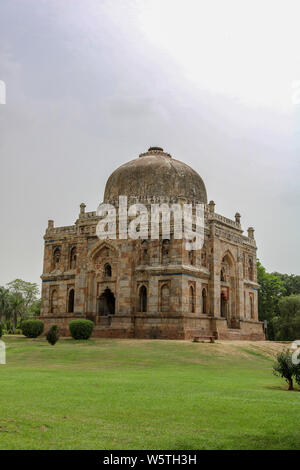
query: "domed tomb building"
153, 288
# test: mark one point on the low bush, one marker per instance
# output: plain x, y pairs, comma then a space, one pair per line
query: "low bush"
53, 335
81, 329
285, 368
32, 328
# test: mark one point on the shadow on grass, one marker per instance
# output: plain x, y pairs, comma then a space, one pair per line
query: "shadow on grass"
283, 388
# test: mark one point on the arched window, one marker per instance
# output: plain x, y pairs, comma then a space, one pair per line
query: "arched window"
71, 301
204, 301
192, 257
107, 270
143, 299
223, 305
191, 299
54, 301
203, 257
73, 258
144, 252
165, 251
106, 303
165, 298
251, 306
56, 258
222, 276
250, 269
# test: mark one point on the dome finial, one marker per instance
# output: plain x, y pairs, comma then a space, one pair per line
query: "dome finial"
159, 149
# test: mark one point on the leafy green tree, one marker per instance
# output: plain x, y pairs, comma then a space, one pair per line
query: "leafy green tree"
4, 303
271, 289
287, 323
35, 308
17, 308
291, 283
28, 290
284, 367
22, 302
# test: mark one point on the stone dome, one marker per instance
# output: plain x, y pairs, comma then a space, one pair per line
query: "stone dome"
155, 174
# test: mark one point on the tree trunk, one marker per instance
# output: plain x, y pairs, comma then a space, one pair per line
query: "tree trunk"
14, 322
291, 387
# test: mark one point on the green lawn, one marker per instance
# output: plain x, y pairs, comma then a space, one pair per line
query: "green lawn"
144, 394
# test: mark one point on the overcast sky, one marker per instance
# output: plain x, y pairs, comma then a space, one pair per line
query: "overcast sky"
93, 83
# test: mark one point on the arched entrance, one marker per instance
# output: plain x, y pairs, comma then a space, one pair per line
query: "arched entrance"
143, 299
106, 303
71, 301
223, 305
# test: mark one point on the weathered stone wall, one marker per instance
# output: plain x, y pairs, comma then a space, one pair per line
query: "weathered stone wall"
174, 279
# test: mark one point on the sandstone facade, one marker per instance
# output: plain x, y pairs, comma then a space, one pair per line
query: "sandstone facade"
153, 288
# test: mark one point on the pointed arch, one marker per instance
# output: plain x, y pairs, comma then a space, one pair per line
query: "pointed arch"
102, 245
106, 303
204, 300
250, 269
142, 307
107, 270
192, 257
54, 301
56, 257
71, 300
251, 306
73, 257
144, 254
204, 256
227, 255
192, 299
165, 298
165, 251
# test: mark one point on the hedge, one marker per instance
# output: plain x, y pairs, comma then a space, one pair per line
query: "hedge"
81, 329
32, 328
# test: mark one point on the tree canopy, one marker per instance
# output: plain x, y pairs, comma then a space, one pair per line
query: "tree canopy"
18, 300
279, 304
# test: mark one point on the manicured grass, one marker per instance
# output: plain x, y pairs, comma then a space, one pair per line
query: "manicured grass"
140, 394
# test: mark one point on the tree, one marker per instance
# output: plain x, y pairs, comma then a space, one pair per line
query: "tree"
287, 323
28, 290
291, 283
53, 335
271, 289
35, 308
284, 367
17, 308
4, 302
22, 300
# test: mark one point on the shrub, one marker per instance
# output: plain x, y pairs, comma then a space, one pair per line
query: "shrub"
18, 331
1, 331
53, 335
285, 368
81, 329
32, 328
